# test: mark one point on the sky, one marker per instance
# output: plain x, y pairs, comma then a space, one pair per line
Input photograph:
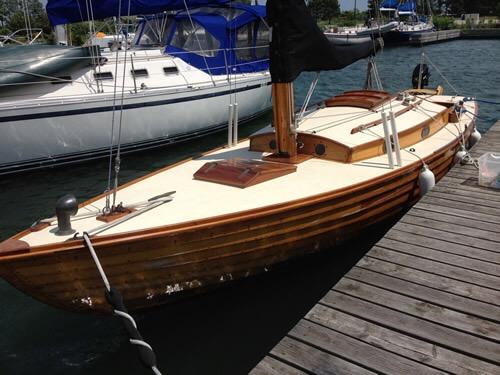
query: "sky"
349, 4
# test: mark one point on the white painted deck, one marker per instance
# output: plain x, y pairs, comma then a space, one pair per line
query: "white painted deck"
195, 200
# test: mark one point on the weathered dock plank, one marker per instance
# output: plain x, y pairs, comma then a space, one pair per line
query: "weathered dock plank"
481, 34
441, 245
434, 37
425, 299
434, 355
426, 294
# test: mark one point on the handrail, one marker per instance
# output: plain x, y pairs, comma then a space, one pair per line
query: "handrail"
11, 37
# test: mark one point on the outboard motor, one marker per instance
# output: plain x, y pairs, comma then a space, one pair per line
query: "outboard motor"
65, 207
424, 80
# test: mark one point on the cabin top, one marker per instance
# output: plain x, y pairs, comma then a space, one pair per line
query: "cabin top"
351, 133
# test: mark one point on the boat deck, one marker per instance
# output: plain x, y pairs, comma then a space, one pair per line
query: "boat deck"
195, 200
424, 300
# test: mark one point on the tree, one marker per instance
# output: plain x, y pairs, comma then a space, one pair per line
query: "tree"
324, 9
12, 16
373, 6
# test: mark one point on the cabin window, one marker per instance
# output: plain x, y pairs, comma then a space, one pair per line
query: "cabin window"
197, 40
170, 70
61, 79
153, 30
262, 41
139, 72
103, 76
252, 42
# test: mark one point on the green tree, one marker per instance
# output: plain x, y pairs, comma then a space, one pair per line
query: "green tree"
324, 9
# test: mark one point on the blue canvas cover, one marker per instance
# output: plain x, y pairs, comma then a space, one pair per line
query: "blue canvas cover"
61, 12
400, 5
233, 39
389, 4
408, 6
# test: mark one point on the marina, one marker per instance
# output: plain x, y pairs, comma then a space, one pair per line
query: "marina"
200, 225
425, 299
262, 310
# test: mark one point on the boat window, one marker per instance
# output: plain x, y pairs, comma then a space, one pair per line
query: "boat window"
61, 79
103, 76
171, 70
153, 31
262, 41
252, 41
197, 40
139, 72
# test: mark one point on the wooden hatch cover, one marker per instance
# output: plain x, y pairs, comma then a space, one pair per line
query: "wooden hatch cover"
367, 99
242, 173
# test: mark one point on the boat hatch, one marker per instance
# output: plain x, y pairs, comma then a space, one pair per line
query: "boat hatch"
242, 173
367, 99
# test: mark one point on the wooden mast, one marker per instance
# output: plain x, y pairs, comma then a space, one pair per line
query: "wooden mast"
285, 150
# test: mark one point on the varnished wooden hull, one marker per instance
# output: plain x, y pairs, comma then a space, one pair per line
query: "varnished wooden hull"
154, 266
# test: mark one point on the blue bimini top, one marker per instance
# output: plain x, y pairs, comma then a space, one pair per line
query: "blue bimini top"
224, 39
70, 11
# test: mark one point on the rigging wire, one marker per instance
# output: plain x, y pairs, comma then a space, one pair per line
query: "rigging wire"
202, 50
118, 150
108, 208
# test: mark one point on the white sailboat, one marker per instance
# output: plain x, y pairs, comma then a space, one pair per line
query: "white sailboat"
177, 92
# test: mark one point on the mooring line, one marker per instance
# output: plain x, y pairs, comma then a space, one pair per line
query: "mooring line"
115, 299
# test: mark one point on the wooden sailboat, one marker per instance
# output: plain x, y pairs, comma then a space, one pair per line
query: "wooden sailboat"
233, 212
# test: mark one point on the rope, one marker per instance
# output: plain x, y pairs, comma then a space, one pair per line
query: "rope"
441, 74
312, 87
475, 115
468, 159
115, 299
469, 99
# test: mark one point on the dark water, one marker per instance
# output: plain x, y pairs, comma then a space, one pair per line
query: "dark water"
230, 329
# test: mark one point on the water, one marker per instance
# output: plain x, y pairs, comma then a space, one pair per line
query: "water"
230, 329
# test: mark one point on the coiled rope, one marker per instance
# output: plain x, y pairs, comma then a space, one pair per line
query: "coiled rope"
115, 299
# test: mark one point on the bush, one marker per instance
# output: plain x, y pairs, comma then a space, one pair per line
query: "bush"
443, 23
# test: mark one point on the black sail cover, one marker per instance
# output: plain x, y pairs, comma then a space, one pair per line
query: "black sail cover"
297, 43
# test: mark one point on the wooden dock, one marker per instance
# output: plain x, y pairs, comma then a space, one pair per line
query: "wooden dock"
481, 34
434, 37
424, 300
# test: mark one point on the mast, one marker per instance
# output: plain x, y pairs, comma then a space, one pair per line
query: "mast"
283, 114
297, 45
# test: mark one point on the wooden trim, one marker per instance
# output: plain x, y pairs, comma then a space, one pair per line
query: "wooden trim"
379, 121
363, 99
408, 137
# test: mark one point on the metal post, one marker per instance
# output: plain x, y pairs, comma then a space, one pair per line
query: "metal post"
230, 126
235, 124
395, 137
387, 137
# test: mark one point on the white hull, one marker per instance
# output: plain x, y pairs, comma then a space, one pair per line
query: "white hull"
64, 127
